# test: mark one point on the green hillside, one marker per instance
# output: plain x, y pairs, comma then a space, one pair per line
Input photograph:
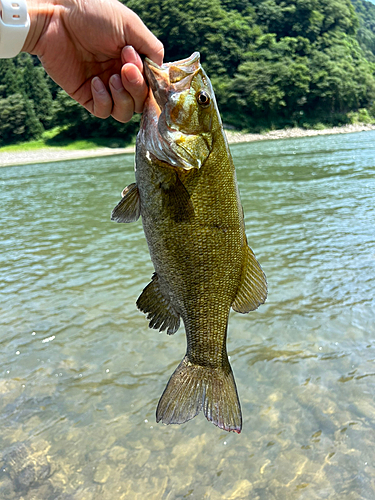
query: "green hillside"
366, 32
273, 63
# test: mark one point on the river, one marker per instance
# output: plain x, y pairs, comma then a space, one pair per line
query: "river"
81, 373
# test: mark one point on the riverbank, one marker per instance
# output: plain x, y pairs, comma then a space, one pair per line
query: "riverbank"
59, 154
294, 133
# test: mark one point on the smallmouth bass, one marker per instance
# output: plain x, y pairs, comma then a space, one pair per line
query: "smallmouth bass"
186, 192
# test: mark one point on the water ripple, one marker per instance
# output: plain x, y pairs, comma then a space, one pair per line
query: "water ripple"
81, 373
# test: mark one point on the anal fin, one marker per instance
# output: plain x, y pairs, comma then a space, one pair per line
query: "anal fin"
129, 208
158, 308
253, 288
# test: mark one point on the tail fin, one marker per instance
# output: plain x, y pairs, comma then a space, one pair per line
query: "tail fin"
193, 388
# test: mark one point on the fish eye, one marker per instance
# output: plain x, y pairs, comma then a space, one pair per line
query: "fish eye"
203, 99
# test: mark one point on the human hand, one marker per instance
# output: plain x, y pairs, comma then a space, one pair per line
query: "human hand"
91, 49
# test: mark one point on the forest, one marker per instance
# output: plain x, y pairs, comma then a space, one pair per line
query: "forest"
273, 64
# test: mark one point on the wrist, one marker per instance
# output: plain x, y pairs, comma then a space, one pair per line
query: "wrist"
14, 27
40, 13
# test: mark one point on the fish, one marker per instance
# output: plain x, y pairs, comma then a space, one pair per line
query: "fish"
186, 193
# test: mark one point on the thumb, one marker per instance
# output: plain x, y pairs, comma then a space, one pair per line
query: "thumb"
143, 41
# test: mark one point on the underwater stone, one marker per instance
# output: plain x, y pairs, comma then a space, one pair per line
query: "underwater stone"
102, 473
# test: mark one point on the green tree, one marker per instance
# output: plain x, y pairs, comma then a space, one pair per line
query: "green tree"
8, 78
221, 36
309, 18
272, 63
271, 85
18, 121
79, 123
342, 79
34, 85
366, 32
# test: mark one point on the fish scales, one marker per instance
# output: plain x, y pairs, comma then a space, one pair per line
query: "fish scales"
186, 192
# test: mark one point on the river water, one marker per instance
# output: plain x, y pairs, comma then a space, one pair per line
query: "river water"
81, 373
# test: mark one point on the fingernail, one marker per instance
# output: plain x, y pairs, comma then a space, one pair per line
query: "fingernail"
131, 55
116, 83
129, 47
98, 85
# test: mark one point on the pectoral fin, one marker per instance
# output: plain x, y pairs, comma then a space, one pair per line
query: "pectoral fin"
253, 288
129, 208
177, 201
159, 310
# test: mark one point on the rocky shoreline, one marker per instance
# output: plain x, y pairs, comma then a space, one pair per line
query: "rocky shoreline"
293, 133
56, 154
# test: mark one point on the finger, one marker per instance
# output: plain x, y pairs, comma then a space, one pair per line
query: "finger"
141, 38
101, 105
135, 84
129, 55
123, 108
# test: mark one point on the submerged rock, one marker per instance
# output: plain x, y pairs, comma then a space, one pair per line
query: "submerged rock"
27, 464
102, 473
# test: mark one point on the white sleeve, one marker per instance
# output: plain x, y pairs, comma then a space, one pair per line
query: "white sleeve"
14, 27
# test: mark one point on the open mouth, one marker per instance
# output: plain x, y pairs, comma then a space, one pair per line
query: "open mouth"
163, 114
170, 77
190, 64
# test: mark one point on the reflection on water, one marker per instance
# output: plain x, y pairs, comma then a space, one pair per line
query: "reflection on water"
81, 374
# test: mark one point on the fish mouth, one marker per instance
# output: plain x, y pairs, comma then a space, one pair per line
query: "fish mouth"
189, 64
160, 134
170, 77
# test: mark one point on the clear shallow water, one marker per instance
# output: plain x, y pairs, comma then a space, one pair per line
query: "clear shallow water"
81, 374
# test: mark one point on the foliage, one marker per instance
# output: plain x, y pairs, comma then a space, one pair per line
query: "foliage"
30, 102
33, 82
317, 74
366, 32
273, 63
361, 116
81, 124
18, 120
221, 35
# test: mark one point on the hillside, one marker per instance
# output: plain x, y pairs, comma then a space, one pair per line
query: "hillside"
366, 31
273, 63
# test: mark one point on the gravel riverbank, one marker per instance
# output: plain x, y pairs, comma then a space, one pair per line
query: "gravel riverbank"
56, 154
